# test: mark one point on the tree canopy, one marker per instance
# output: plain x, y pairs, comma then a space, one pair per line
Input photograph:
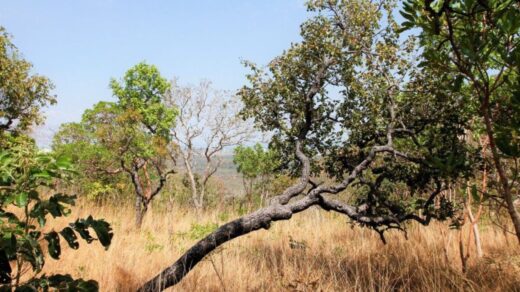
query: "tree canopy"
349, 108
29, 200
130, 136
477, 42
22, 94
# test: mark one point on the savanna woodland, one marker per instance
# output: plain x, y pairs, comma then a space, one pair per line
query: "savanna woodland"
379, 152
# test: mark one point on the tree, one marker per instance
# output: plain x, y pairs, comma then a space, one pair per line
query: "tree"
94, 162
478, 43
25, 172
349, 102
257, 167
207, 123
24, 219
130, 136
22, 94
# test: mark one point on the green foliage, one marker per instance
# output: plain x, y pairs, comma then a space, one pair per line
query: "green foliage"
198, 231
151, 245
354, 84
223, 216
23, 93
254, 161
142, 90
507, 124
25, 212
259, 169
116, 141
478, 42
91, 159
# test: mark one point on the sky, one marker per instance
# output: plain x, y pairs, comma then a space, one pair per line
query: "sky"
80, 45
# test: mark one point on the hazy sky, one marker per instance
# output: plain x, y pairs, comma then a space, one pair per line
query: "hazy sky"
81, 44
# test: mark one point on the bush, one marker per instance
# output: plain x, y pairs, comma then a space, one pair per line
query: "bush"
24, 218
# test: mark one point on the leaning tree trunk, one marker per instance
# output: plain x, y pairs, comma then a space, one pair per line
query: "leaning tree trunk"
244, 225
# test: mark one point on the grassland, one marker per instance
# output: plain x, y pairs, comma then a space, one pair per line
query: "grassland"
331, 255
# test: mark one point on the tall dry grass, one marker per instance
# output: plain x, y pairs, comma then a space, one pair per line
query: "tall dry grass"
332, 256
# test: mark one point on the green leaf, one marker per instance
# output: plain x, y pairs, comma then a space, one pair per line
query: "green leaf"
31, 251
87, 286
68, 234
67, 283
81, 227
21, 199
103, 231
437, 5
53, 241
407, 16
64, 162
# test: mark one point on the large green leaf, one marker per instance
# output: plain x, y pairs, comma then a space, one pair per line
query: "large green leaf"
21, 199
68, 234
53, 244
103, 231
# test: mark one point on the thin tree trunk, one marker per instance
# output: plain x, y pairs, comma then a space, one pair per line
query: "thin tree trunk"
462, 254
476, 233
202, 193
138, 211
191, 176
506, 190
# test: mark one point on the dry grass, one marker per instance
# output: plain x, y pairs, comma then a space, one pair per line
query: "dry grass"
336, 257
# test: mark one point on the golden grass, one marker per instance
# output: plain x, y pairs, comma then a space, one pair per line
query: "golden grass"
337, 256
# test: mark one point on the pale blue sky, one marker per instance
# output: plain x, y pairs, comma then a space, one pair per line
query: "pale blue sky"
80, 45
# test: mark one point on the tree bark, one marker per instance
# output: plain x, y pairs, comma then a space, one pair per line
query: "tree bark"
139, 214
476, 234
193, 182
506, 189
244, 225
283, 207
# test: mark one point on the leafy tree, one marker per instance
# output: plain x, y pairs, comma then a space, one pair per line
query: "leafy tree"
22, 94
130, 136
25, 172
257, 167
94, 162
142, 91
350, 102
25, 227
478, 43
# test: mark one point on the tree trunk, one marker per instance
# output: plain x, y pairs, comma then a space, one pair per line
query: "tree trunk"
139, 211
462, 254
473, 220
478, 243
506, 190
202, 194
244, 225
193, 183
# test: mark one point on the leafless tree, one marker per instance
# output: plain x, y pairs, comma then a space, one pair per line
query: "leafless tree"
206, 125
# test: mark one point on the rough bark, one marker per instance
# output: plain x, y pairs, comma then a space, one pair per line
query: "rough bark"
254, 221
145, 194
